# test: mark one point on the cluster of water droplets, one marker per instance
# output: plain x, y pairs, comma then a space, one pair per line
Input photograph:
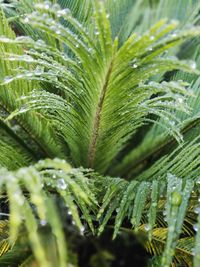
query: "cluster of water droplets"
70, 216
54, 8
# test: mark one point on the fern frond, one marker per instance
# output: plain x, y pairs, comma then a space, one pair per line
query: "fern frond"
92, 124
142, 207
58, 177
81, 88
10, 92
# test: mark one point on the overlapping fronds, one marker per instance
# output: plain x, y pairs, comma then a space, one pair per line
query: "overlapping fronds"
35, 127
40, 182
111, 85
157, 208
78, 83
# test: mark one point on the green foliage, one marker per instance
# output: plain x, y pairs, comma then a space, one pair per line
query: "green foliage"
92, 84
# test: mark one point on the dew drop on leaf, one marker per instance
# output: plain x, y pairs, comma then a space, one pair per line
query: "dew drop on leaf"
8, 79
82, 229
61, 184
63, 12
147, 227
55, 7
26, 20
176, 198
47, 5
69, 212
193, 65
154, 204
197, 210
43, 222
195, 227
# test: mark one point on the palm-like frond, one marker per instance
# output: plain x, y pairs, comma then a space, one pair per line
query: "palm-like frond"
142, 203
80, 85
58, 177
89, 118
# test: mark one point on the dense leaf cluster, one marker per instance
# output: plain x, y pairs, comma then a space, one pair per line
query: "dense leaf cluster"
89, 94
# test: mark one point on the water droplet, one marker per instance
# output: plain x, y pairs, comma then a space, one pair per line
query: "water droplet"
26, 20
24, 39
19, 76
147, 227
8, 79
61, 184
5, 39
154, 204
44, 16
69, 212
39, 70
152, 37
90, 50
176, 198
180, 100
195, 227
174, 34
47, 5
96, 33
135, 66
193, 252
197, 210
172, 122
40, 42
12, 58
193, 65
43, 222
164, 212
117, 210
54, 176
55, 7
64, 12
53, 28
58, 32
26, 58
82, 229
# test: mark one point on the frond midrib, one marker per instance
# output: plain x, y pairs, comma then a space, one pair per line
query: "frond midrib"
97, 118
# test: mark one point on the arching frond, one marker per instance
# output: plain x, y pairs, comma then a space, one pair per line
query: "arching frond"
142, 203
103, 81
55, 176
116, 93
